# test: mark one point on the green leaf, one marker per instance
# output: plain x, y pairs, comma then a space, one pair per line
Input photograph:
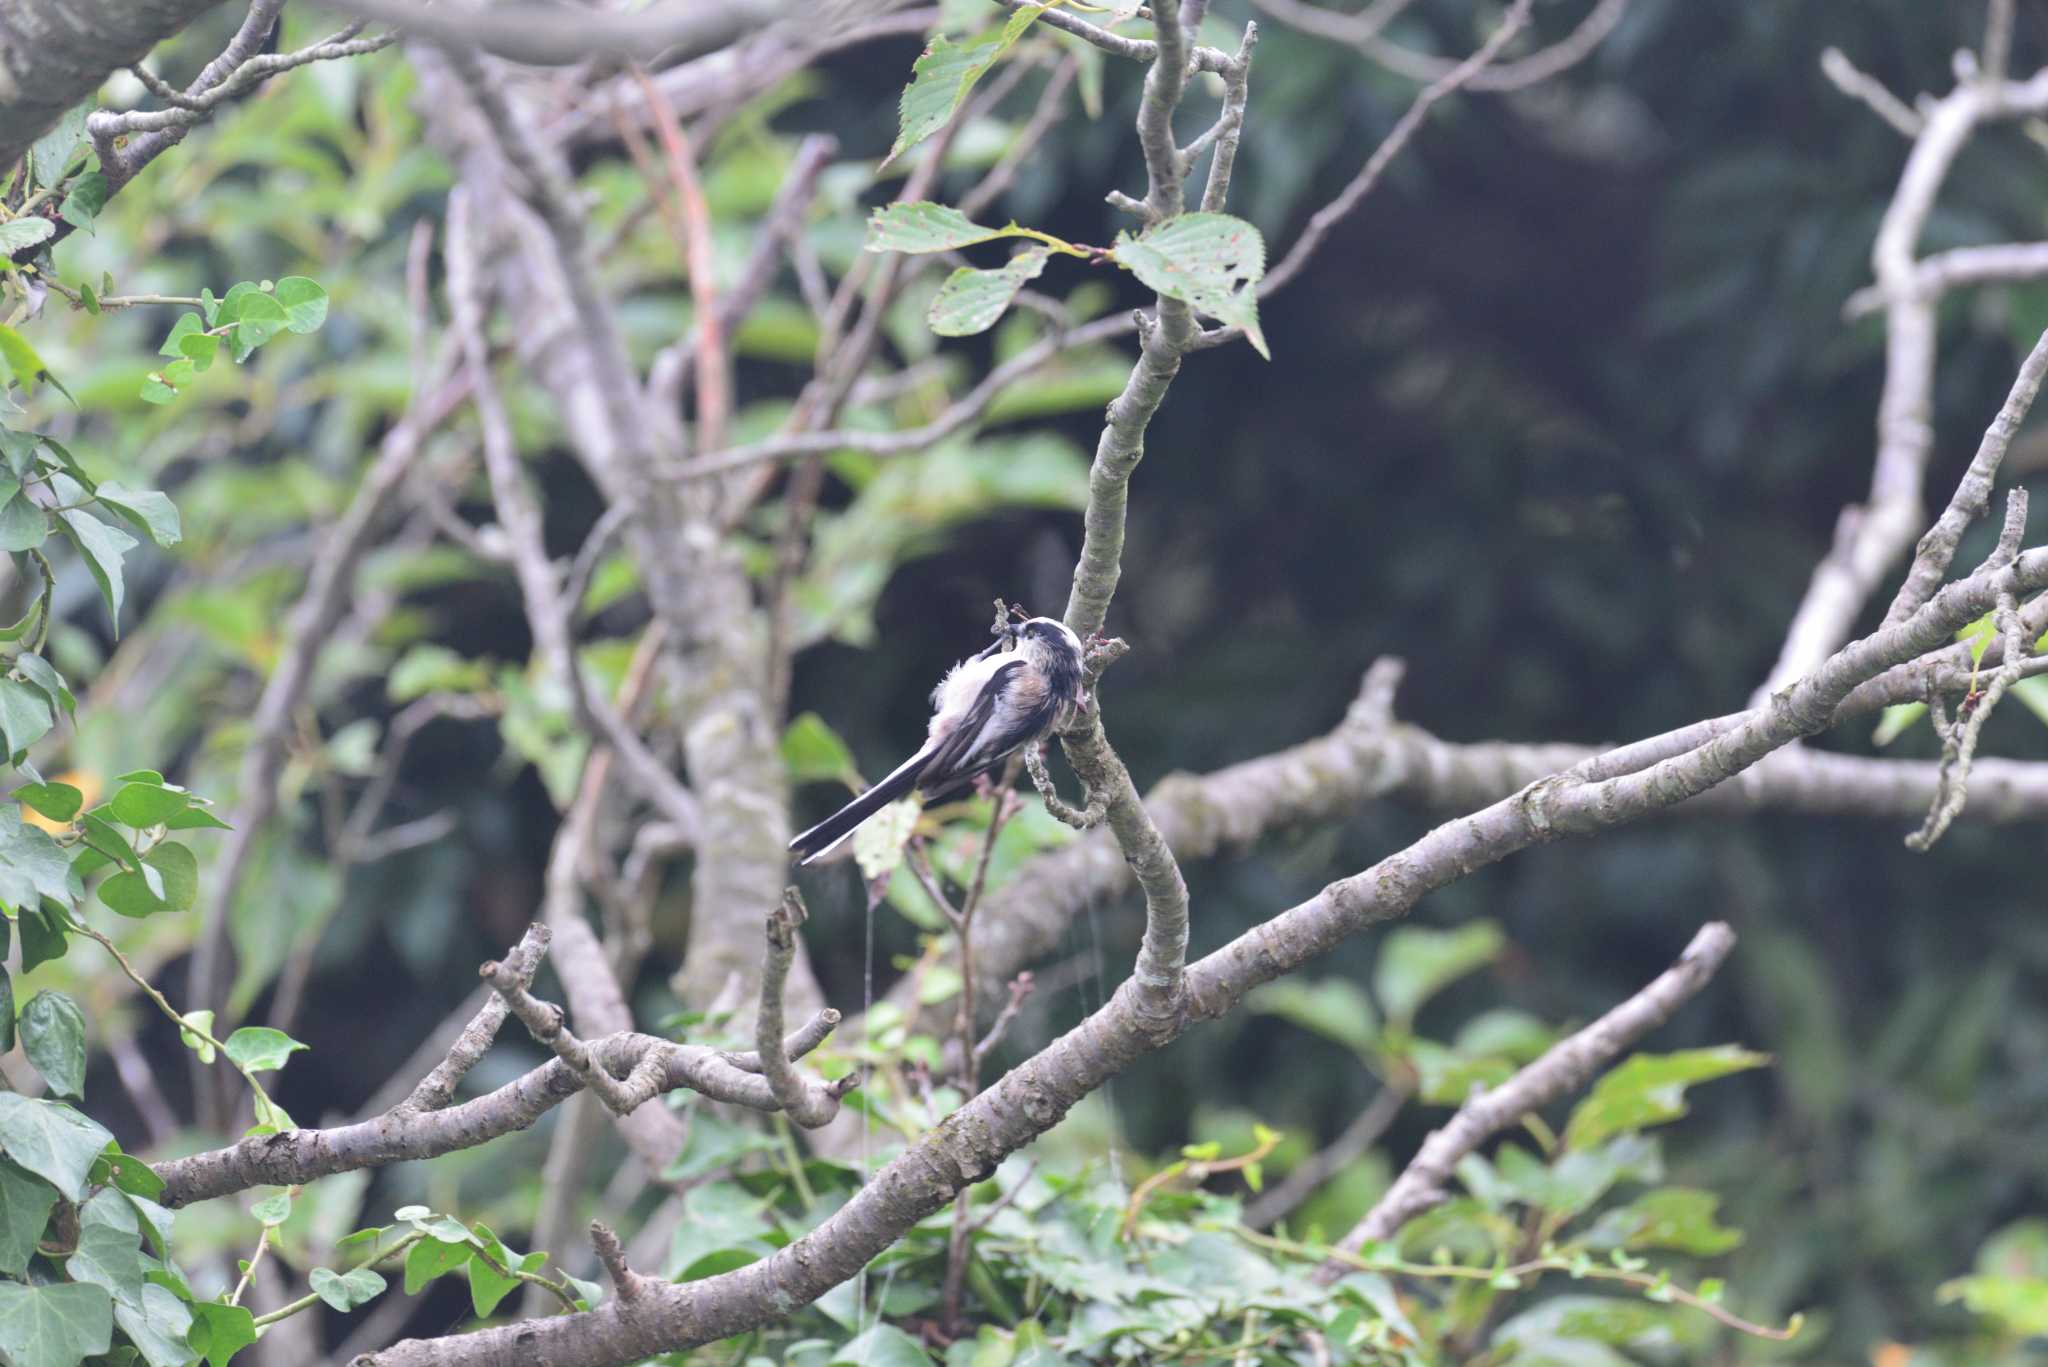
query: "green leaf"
157, 1325
28, 619
878, 845
25, 1202
44, 676
194, 1039
919, 226
187, 325
220, 1331
7, 1021
19, 356
174, 871
23, 526
25, 716
883, 1345
127, 1173
346, 1290
971, 300
53, 151
432, 668
32, 866
257, 318
1677, 1218
1649, 1089
140, 806
487, 1285
1333, 1008
1415, 964
2032, 693
1211, 262
1979, 634
813, 752
147, 509
51, 1140
304, 303
42, 934
273, 1210
109, 1252
53, 1037
202, 349
945, 72
14, 236
83, 202
259, 1048
430, 1258
197, 818
102, 546
58, 1325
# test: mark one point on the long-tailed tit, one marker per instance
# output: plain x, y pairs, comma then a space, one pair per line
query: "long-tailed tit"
984, 710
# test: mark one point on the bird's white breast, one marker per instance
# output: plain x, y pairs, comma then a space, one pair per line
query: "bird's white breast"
961, 686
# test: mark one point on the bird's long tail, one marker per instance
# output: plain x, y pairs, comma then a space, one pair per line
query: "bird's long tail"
821, 838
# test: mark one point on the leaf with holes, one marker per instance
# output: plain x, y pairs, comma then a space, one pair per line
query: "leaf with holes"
971, 300
1211, 262
921, 226
945, 72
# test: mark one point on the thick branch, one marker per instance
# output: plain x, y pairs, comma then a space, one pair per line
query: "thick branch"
55, 53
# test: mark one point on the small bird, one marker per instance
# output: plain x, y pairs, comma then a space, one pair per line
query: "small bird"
984, 710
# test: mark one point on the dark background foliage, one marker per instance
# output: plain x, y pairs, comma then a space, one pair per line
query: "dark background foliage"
1564, 417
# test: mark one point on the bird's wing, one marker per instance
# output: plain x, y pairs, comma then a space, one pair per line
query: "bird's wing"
1012, 707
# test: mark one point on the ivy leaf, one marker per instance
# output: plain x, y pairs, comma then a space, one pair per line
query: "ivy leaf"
44, 676
971, 300
24, 715
143, 805
102, 546
25, 1202
23, 526
149, 510
1210, 262
259, 1048
220, 1331
32, 865
109, 1251
57, 1325
303, 301
1649, 1089
945, 72
53, 1037
487, 1285
157, 1324
51, 1140
883, 1345
346, 1290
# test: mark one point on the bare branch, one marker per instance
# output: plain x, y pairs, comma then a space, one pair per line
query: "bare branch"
547, 35
1858, 86
437, 1088
1936, 275
808, 1104
1564, 1068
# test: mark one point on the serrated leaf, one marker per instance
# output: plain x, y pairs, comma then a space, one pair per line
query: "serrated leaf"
55, 1325
53, 1038
1416, 963
24, 232
919, 226
945, 72
84, 200
304, 303
1211, 262
148, 509
972, 300
1649, 1089
260, 1048
51, 1140
102, 546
